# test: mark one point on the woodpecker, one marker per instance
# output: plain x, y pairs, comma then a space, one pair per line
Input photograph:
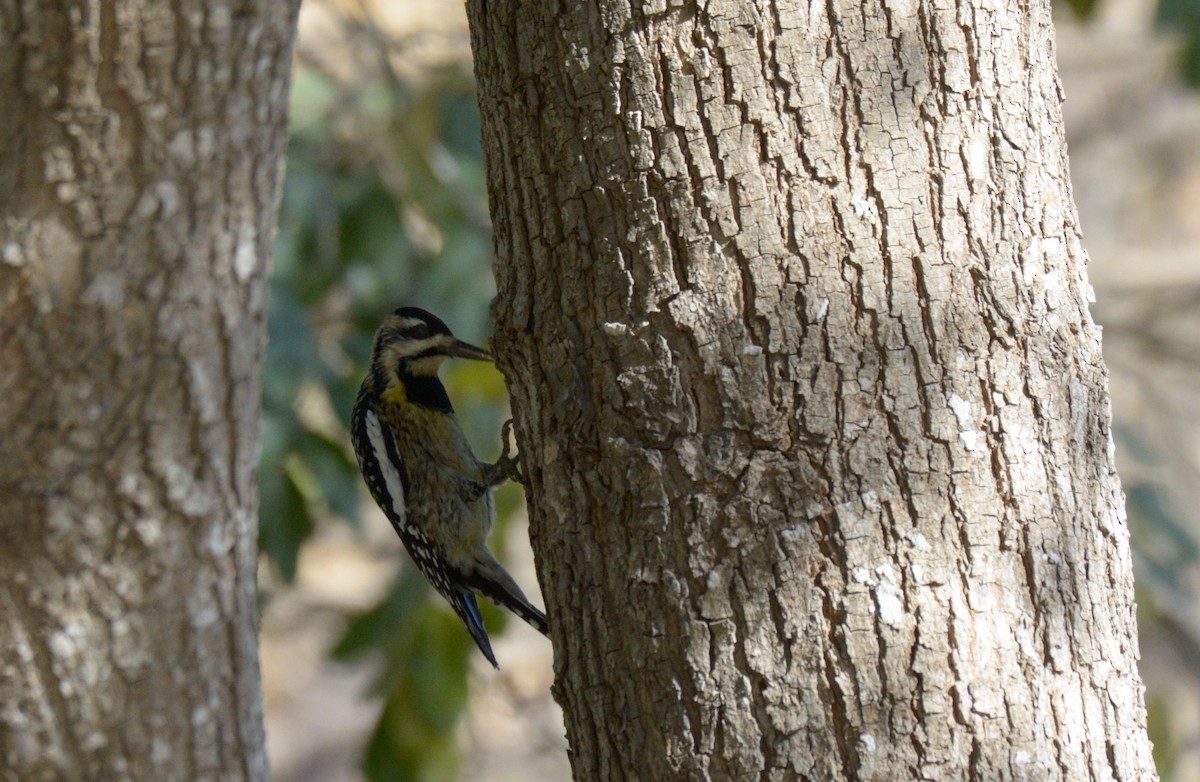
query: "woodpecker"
421, 470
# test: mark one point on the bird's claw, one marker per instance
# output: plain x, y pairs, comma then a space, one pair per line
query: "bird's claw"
508, 466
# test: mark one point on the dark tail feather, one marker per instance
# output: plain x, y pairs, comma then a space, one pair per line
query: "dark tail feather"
503, 591
467, 608
533, 616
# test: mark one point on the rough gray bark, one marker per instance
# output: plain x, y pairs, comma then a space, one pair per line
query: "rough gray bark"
143, 149
793, 308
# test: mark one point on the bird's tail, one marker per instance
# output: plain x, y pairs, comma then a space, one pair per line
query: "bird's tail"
491, 580
467, 608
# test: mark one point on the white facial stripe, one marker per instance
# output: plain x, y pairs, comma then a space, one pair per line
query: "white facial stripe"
415, 347
391, 476
409, 323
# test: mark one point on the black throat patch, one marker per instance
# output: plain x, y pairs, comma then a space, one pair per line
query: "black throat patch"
426, 391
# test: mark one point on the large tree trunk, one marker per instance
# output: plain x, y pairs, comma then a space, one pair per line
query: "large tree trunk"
143, 148
793, 307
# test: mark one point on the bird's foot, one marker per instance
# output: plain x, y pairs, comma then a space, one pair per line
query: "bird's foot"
507, 466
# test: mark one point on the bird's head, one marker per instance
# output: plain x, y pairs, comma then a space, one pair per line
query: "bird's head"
414, 342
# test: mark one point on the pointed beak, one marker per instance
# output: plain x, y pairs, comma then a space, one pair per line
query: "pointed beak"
462, 349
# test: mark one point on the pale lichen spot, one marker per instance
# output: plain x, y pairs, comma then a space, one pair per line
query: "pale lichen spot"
972, 440
864, 208
714, 604
182, 147
168, 196
12, 255
206, 142
161, 750
961, 408
794, 534
59, 518
93, 741
67, 191
978, 154
245, 259
219, 541
149, 531
645, 575
219, 17
202, 610
1053, 284
903, 9
183, 490
891, 607
107, 290
119, 627
61, 645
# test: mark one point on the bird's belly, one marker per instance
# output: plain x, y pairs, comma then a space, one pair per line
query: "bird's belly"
438, 507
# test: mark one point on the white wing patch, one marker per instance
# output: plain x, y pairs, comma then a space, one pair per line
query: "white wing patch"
391, 475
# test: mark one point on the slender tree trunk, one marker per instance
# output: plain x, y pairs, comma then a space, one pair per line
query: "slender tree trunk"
143, 149
793, 307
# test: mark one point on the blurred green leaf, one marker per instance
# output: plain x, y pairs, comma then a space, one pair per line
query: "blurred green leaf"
1149, 503
1164, 547
283, 523
335, 471
1182, 19
1178, 18
415, 738
390, 622
424, 682
1081, 8
290, 359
